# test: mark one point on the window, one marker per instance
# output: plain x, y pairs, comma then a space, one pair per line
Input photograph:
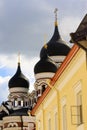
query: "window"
79, 108
22, 103
12, 103
26, 103
39, 92
12, 125
36, 93
64, 118
15, 125
43, 88
31, 102
16, 103
19, 103
76, 110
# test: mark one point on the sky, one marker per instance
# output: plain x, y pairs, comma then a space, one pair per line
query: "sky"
25, 26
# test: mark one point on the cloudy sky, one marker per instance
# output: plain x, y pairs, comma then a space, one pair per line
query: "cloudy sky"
23, 26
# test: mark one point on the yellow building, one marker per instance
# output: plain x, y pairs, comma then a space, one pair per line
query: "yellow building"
63, 104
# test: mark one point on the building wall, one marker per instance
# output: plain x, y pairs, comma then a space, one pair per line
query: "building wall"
60, 108
46, 111
18, 123
71, 82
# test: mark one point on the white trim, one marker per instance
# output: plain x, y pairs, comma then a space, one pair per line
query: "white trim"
29, 118
57, 58
11, 119
44, 75
18, 89
14, 119
18, 95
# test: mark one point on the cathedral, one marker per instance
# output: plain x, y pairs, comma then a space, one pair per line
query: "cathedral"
23, 110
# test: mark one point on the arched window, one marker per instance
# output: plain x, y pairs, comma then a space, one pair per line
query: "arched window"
43, 88
22, 103
16, 103
10, 125
15, 125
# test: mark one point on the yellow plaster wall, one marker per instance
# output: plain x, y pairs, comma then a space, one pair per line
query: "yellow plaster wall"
64, 89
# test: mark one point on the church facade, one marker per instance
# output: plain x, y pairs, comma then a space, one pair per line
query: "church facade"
58, 101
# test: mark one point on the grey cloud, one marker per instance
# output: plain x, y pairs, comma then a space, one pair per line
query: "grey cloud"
20, 26
23, 23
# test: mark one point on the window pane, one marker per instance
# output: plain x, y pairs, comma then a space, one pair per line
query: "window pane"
79, 108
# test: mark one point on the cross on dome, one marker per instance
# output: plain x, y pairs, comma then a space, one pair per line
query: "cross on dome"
19, 58
55, 11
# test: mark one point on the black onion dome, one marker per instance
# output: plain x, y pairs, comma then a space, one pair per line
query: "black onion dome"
56, 46
18, 80
43, 52
45, 65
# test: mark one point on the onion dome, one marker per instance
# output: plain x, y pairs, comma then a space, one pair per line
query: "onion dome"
44, 66
56, 46
18, 80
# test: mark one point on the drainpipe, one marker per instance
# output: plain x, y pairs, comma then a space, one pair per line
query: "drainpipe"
21, 122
